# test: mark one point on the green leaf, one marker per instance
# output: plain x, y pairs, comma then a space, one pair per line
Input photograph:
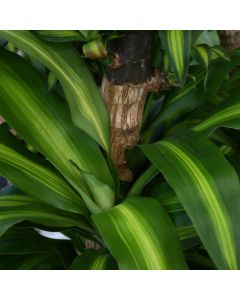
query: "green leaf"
35, 176
85, 101
193, 94
219, 52
199, 261
181, 101
43, 120
142, 180
169, 201
166, 63
226, 114
51, 80
208, 188
208, 37
24, 241
76, 239
195, 35
202, 55
231, 83
35, 261
177, 44
17, 208
94, 260
25, 248
102, 196
140, 235
90, 35
59, 35
95, 49
19, 241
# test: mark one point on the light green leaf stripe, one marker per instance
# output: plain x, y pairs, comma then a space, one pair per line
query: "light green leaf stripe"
18, 208
185, 233
169, 201
193, 94
94, 260
227, 114
219, 52
140, 235
223, 116
59, 35
177, 44
47, 123
35, 176
99, 263
142, 180
188, 87
201, 55
211, 200
212, 197
181, 101
86, 104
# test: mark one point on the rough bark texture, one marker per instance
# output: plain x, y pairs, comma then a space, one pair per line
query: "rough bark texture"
127, 82
230, 39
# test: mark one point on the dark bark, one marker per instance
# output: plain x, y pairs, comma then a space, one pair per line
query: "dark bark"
230, 39
131, 57
127, 82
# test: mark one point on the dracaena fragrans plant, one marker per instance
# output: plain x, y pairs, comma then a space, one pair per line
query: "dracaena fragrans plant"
126, 144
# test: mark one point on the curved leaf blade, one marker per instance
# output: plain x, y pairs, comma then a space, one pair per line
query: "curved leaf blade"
208, 188
201, 54
208, 37
226, 114
142, 180
43, 120
95, 49
94, 260
17, 208
217, 51
193, 94
35, 261
59, 35
19, 242
181, 101
140, 235
85, 101
34, 176
177, 44
169, 201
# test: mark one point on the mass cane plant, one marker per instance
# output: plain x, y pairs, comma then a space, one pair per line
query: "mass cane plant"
161, 193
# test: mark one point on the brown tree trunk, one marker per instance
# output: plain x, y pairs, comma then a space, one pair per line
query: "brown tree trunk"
230, 39
125, 87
